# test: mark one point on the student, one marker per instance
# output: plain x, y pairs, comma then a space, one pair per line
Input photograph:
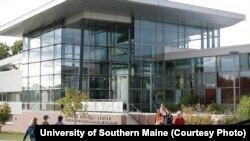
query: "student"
31, 130
157, 118
60, 118
45, 118
178, 119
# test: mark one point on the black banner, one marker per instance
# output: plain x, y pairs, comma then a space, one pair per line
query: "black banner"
90, 132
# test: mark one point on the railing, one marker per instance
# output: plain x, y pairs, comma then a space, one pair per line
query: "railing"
135, 108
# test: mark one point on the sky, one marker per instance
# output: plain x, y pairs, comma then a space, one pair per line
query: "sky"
234, 35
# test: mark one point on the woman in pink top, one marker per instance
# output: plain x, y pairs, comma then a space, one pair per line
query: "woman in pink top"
163, 110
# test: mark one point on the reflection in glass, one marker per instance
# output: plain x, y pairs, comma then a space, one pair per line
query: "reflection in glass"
71, 36
34, 69
209, 64
57, 51
34, 96
48, 38
245, 82
34, 83
210, 80
225, 79
70, 66
57, 81
226, 63
148, 36
47, 53
34, 55
244, 62
58, 36
210, 96
47, 81
35, 42
227, 96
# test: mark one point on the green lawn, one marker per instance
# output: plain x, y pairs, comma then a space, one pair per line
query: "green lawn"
12, 136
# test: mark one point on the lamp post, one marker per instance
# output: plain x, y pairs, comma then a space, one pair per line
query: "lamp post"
234, 53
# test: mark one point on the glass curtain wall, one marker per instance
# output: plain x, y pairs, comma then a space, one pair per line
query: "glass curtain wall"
41, 65
210, 78
157, 81
51, 62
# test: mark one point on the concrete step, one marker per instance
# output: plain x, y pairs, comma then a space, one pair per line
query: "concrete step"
131, 121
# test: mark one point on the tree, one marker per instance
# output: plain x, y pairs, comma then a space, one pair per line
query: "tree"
4, 51
72, 103
17, 47
4, 114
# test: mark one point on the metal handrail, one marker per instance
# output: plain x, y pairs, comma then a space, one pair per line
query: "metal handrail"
137, 110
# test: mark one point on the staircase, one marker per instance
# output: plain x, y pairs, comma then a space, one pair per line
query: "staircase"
131, 121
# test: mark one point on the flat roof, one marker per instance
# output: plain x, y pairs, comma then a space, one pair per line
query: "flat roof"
57, 10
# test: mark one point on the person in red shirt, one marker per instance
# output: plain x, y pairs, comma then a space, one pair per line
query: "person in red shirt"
179, 120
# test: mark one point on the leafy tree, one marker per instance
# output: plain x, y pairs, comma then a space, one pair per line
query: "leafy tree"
4, 114
72, 103
17, 47
4, 51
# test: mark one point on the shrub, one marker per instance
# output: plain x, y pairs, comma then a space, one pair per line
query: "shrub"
193, 117
173, 107
217, 108
188, 100
243, 109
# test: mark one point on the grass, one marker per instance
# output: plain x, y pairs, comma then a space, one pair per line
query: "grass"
8, 136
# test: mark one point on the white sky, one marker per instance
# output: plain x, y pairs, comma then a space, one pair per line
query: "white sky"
237, 34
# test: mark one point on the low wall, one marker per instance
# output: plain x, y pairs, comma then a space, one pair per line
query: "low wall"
22, 121
148, 118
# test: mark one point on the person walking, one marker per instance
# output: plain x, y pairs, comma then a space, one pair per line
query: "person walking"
31, 131
45, 118
59, 122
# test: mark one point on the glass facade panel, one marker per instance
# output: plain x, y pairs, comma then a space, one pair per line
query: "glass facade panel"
46, 67
227, 96
57, 81
71, 36
58, 51
226, 63
209, 64
35, 41
148, 36
34, 55
245, 83
34, 82
244, 61
47, 53
225, 79
210, 80
48, 38
58, 36
47, 82
34, 69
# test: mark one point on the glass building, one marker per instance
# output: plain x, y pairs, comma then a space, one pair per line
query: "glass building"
116, 55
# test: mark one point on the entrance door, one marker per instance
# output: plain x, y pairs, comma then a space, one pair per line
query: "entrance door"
122, 91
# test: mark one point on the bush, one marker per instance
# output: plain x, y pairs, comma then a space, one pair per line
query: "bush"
217, 108
188, 100
173, 107
193, 117
242, 112
243, 109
